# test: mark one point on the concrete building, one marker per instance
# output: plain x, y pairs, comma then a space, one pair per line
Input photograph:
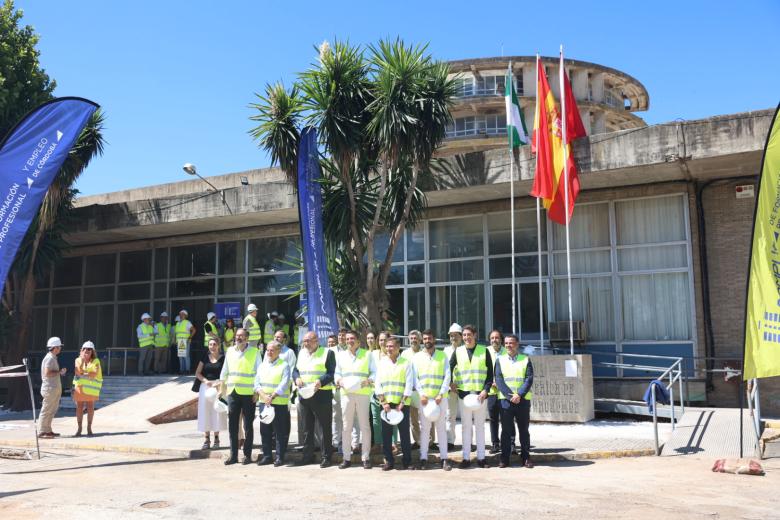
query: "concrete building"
660, 239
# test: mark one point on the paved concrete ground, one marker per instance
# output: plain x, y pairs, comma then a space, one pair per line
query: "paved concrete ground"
85, 484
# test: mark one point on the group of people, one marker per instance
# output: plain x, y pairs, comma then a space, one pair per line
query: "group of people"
352, 395
161, 343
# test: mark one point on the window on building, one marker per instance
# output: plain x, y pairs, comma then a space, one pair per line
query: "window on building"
100, 269
135, 266
193, 261
455, 238
463, 304
270, 255
67, 272
232, 257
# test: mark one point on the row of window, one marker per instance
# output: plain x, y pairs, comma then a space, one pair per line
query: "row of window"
467, 86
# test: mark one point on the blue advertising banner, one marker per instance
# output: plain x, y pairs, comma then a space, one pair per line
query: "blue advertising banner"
321, 307
228, 310
30, 157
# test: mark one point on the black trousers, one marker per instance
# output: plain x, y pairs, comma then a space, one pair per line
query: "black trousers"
318, 410
238, 403
279, 430
406, 441
494, 414
512, 414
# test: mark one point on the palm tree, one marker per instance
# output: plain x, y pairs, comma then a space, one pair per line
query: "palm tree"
379, 118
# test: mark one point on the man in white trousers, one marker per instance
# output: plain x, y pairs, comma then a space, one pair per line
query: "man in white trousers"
456, 340
432, 381
355, 365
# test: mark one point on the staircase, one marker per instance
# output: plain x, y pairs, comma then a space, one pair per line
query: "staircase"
117, 388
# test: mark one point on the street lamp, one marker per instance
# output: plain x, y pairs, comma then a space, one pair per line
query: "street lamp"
190, 169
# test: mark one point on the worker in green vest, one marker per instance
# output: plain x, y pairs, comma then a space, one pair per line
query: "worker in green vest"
495, 350
210, 330
388, 323
394, 384
415, 346
514, 379
238, 378
432, 381
145, 334
184, 331
229, 335
273, 387
252, 327
274, 322
472, 374
299, 330
162, 340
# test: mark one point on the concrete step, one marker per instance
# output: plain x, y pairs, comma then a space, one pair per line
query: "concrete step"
119, 388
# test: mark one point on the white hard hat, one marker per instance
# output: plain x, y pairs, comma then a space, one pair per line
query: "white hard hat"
305, 392
54, 342
267, 415
471, 402
210, 315
220, 406
163, 314
455, 328
393, 417
251, 307
272, 314
352, 383
281, 316
88, 344
210, 394
185, 312
431, 411
146, 316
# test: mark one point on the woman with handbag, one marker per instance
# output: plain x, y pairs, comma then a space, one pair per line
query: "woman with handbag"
207, 385
87, 384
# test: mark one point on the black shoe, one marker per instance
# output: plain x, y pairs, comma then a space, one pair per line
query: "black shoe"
246, 461
367, 464
446, 466
345, 464
278, 462
415, 446
503, 464
410, 467
387, 466
306, 461
464, 464
325, 463
264, 461
473, 448
482, 463
230, 461
451, 446
423, 464
495, 449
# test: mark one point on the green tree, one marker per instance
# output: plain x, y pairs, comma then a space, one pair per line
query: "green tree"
23, 86
380, 113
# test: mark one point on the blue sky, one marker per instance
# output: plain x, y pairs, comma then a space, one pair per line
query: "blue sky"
175, 78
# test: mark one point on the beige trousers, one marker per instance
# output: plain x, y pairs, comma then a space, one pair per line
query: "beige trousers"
51, 403
350, 404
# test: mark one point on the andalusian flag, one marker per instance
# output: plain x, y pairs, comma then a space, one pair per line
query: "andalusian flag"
762, 308
515, 123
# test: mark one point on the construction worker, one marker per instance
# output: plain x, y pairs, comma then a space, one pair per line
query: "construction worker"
472, 373
299, 330
495, 350
210, 330
355, 364
238, 377
432, 381
162, 340
415, 340
184, 330
456, 340
337, 423
514, 378
252, 326
285, 352
229, 335
273, 387
316, 366
145, 334
51, 388
273, 323
388, 323
394, 383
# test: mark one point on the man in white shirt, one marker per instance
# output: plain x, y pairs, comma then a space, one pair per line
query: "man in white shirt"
51, 388
432, 380
355, 364
415, 340
456, 340
337, 424
393, 388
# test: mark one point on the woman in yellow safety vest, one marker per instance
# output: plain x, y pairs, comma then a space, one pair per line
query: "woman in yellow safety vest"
86, 385
230, 334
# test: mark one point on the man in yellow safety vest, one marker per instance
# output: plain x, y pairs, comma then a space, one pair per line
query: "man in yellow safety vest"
162, 340
184, 331
238, 376
145, 334
274, 322
273, 387
432, 381
495, 350
252, 327
514, 379
394, 384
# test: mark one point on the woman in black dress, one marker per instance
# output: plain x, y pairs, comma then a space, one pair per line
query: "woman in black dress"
208, 371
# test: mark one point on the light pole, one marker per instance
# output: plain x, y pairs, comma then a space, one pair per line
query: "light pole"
190, 169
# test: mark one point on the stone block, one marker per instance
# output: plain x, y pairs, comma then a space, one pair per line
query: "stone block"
560, 396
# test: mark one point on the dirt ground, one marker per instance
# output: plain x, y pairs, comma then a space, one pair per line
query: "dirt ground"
82, 484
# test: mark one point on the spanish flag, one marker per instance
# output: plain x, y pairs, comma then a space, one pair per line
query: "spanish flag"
762, 308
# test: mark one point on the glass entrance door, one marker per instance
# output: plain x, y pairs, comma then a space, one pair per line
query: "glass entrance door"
527, 308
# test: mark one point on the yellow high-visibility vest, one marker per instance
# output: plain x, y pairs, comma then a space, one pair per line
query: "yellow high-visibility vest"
146, 338
271, 328
183, 330
253, 331
90, 385
358, 367
163, 336
241, 371
311, 368
493, 357
514, 374
206, 337
471, 373
430, 372
392, 379
230, 334
270, 376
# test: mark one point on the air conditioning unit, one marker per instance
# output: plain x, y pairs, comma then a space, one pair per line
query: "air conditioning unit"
559, 331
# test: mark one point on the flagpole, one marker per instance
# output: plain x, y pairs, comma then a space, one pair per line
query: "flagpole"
512, 209
539, 226
566, 196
